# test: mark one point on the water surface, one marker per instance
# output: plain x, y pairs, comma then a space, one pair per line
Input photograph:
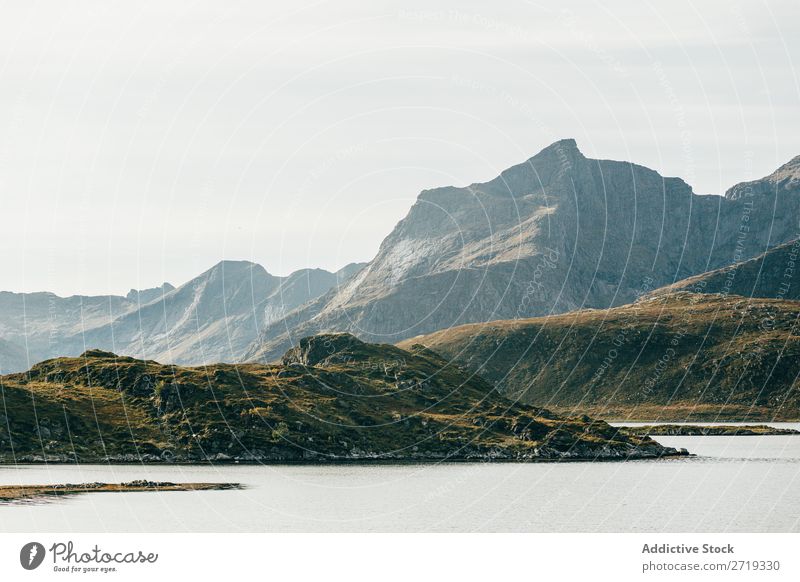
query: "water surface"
739, 483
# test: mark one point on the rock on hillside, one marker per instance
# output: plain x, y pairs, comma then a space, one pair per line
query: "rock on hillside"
783, 181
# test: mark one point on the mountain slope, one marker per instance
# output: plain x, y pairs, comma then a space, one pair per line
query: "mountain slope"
146, 296
333, 398
785, 180
556, 233
215, 316
36, 323
774, 274
210, 318
301, 287
12, 357
672, 357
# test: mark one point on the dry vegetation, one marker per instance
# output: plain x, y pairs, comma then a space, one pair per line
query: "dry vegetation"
674, 357
334, 398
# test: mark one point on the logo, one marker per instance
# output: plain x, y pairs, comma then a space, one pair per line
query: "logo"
31, 555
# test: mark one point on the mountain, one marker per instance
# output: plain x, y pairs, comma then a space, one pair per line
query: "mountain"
333, 398
204, 320
12, 357
35, 324
214, 317
674, 357
774, 274
783, 181
146, 296
556, 233
301, 287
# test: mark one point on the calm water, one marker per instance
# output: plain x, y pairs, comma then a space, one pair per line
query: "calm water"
735, 484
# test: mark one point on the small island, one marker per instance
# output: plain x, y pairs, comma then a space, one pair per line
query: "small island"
12, 493
715, 430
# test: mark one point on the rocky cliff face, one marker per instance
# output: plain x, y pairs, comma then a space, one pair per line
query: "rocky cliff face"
556, 233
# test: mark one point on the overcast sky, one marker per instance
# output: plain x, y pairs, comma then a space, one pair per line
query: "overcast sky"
142, 142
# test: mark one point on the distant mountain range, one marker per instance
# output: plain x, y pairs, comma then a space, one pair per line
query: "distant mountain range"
212, 318
556, 233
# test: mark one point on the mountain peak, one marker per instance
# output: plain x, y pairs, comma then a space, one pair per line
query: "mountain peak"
567, 144
234, 264
785, 178
549, 165
229, 269
793, 164
144, 296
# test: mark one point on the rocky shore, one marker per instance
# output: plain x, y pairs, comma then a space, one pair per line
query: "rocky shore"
717, 430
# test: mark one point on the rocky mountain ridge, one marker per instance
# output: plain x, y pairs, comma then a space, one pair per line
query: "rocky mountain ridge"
557, 233
213, 317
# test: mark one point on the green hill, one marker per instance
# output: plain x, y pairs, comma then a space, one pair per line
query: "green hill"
673, 357
332, 398
774, 274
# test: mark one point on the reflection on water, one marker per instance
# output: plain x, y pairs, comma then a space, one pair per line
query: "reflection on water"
741, 483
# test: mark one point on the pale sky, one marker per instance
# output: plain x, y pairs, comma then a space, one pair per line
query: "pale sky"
142, 142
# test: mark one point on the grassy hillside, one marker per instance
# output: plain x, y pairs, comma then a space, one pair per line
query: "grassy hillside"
774, 274
673, 357
332, 398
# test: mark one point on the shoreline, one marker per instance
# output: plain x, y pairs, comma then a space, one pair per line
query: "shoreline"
679, 454
677, 429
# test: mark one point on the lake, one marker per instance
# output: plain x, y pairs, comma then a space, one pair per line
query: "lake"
735, 484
